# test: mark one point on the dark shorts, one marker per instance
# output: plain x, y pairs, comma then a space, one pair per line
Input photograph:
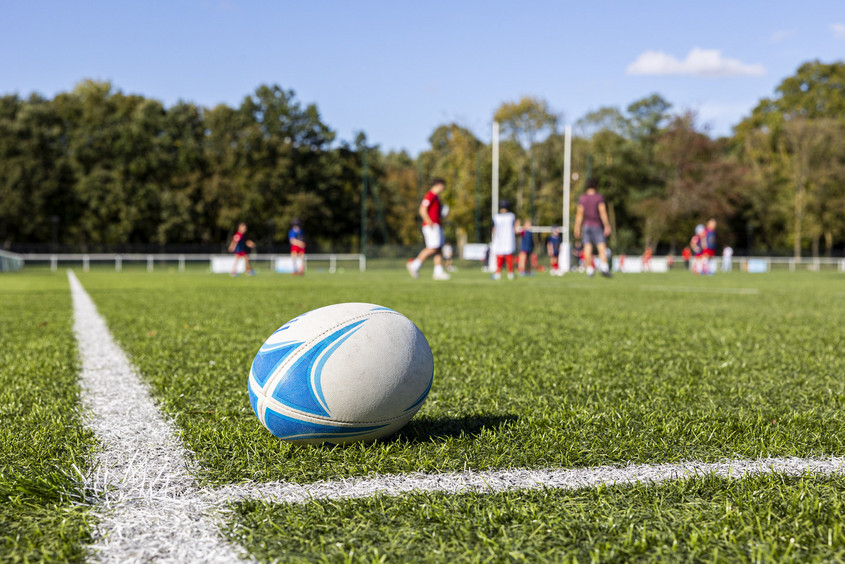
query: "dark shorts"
592, 234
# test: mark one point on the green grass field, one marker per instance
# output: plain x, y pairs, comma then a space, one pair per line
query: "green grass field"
533, 373
44, 446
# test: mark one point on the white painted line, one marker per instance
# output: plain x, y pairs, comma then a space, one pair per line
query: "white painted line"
702, 290
491, 481
151, 507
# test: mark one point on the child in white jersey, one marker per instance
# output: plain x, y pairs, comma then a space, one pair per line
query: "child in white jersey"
504, 240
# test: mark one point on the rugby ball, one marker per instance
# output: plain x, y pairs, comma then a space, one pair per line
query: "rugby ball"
340, 374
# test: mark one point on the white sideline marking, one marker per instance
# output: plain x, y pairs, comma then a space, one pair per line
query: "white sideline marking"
151, 507
491, 481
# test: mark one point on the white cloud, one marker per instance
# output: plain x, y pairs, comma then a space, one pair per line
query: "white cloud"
699, 62
781, 35
838, 30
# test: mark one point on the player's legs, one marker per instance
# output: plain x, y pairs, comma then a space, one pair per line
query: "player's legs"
588, 258
433, 236
509, 262
439, 273
248, 267
235, 266
601, 251
522, 260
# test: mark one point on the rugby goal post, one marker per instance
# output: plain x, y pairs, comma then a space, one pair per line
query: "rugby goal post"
563, 257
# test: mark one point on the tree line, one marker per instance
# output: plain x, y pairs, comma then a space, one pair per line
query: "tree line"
95, 168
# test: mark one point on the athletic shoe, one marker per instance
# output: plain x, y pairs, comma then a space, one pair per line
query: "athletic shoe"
496, 276
441, 276
251, 273
606, 274
590, 271
411, 270
510, 275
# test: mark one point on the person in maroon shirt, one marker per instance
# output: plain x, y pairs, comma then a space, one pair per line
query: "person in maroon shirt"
593, 227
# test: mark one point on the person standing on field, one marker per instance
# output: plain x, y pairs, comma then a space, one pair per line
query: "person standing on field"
239, 246
593, 227
553, 250
431, 212
504, 239
526, 248
709, 247
296, 237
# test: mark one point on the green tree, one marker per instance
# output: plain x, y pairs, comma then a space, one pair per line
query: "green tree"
524, 122
786, 142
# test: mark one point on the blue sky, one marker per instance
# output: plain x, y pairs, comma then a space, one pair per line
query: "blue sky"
398, 69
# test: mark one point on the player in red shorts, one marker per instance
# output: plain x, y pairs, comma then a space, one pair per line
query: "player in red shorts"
431, 212
296, 237
239, 246
709, 247
696, 245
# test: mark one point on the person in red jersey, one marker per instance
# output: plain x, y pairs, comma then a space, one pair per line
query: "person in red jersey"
239, 246
592, 227
296, 238
431, 211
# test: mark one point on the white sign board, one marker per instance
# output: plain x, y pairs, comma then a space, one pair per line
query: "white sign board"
633, 265
284, 265
474, 251
223, 264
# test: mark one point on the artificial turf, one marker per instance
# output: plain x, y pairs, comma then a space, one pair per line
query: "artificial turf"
44, 448
536, 372
532, 373
764, 518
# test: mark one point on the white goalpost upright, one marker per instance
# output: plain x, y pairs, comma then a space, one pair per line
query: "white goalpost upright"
563, 257
494, 207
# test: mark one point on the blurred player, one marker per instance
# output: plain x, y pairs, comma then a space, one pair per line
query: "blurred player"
696, 245
709, 247
591, 219
239, 246
526, 248
727, 259
504, 239
430, 211
553, 250
296, 237
448, 254
647, 254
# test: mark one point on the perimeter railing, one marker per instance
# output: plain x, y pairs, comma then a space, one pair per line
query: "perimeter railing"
180, 260
10, 261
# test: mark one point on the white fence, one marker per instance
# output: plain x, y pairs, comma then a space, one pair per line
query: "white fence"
180, 260
787, 263
10, 261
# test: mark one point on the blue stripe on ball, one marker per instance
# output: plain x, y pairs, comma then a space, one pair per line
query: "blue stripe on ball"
297, 388
267, 360
423, 396
286, 427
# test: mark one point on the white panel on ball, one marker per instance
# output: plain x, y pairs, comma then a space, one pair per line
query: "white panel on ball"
339, 374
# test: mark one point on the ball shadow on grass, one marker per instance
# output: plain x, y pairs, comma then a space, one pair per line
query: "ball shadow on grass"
428, 429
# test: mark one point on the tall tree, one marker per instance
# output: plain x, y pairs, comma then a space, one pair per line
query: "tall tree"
786, 138
524, 122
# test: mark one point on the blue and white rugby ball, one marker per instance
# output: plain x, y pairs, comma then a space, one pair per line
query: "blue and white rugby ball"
339, 374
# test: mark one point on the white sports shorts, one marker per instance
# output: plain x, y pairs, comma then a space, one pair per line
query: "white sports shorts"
433, 236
